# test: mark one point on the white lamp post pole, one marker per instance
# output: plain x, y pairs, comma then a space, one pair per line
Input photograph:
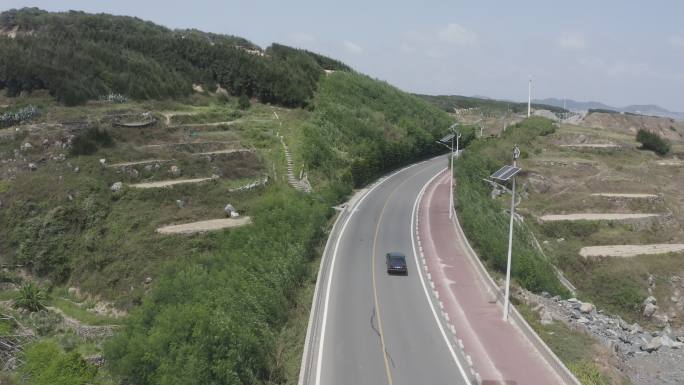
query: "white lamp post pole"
516, 155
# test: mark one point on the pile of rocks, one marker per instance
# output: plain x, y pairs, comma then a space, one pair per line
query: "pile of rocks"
624, 338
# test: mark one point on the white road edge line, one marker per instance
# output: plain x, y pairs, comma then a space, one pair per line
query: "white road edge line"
377, 184
422, 281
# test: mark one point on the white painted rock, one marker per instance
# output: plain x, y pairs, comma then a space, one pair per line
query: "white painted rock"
116, 187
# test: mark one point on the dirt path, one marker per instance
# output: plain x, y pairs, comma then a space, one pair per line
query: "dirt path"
630, 250
139, 162
592, 145
190, 143
635, 196
231, 151
670, 163
214, 124
204, 226
594, 217
167, 183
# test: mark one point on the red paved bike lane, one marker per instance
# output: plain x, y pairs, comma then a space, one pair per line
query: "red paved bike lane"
500, 352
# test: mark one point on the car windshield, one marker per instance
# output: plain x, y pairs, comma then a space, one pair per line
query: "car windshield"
397, 260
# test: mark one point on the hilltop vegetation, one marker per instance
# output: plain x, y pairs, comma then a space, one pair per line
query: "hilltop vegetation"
488, 106
102, 54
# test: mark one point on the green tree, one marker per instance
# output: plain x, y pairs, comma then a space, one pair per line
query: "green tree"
653, 142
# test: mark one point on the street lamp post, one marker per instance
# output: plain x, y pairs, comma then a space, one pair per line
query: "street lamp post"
444, 142
451, 186
516, 155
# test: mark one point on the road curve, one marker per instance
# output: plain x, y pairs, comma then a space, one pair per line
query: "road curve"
367, 327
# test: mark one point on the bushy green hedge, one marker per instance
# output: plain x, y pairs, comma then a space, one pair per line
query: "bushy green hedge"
88, 141
47, 364
215, 320
653, 142
485, 221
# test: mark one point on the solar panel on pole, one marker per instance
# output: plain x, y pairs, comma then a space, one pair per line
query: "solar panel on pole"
505, 173
447, 138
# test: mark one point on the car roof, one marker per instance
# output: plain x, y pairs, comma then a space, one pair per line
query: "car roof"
396, 254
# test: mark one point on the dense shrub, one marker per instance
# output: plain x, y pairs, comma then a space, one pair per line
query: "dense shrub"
485, 220
243, 102
89, 141
46, 364
15, 117
653, 142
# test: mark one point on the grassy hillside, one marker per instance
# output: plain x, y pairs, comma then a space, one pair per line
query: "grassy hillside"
218, 307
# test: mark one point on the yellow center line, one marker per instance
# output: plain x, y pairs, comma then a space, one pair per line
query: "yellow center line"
390, 381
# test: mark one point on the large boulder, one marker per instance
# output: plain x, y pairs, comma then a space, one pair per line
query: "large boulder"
652, 345
546, 318
661, 320
586, 307
116, 187
649, 310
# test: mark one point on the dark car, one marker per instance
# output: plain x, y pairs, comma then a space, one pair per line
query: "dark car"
396, 263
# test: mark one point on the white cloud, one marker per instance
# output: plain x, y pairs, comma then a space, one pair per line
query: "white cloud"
457, 34
302, 38
571, 42
617, 69
435, 53
352, 48
676, 41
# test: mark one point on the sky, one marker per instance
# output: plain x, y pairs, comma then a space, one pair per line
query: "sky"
616, 52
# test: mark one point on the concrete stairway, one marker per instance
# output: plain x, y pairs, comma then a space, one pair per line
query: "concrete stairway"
299, 184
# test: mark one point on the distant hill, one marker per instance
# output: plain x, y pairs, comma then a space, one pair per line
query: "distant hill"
649, 109
450, 102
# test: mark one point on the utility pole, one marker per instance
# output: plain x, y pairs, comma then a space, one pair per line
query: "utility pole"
529, 98
516, 155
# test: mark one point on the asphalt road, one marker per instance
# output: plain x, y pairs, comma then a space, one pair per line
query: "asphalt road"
369, 327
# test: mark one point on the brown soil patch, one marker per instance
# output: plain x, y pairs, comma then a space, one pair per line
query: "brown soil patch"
167, 183
204, 226
630, 250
